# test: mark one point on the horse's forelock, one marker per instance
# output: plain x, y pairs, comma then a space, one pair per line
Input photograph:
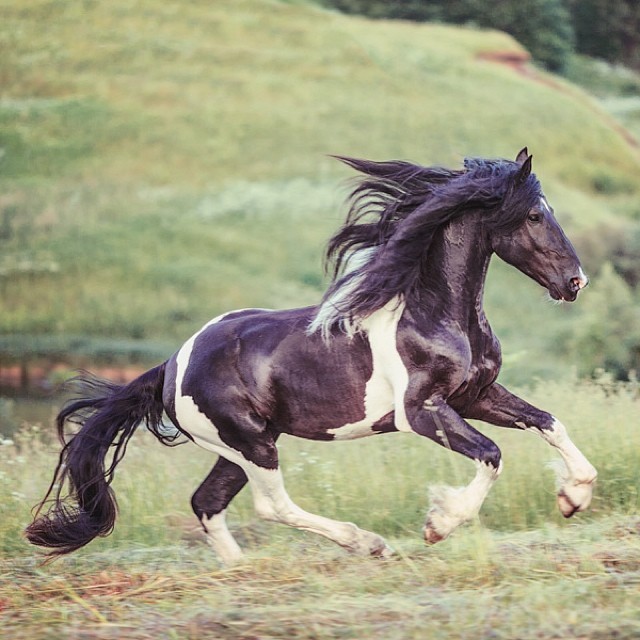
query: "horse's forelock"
518, 199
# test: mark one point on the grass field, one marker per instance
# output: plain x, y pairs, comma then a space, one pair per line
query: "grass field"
519, 571
581, 581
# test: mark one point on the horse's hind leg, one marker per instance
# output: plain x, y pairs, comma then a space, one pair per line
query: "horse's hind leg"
210, 502
259, 461
273, 503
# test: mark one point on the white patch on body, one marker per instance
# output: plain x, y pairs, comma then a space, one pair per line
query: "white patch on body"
188, 414
386, 388
330, 312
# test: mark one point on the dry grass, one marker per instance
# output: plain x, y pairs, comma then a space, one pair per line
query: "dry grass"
579, 582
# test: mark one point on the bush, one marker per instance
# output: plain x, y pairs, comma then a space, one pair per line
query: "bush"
608, 335
608, 29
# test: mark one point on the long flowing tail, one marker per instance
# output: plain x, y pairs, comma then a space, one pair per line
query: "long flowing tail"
108, 414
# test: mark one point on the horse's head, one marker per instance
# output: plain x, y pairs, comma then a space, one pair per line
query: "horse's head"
538, 246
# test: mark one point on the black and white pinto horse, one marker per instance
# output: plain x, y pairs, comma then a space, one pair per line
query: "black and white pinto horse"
400, 342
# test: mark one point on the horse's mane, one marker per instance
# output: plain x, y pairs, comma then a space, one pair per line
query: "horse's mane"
395, 211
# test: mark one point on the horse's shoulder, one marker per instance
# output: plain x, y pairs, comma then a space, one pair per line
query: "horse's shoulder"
434, 345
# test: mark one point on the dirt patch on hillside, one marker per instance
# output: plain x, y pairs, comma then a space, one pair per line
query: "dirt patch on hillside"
520, 63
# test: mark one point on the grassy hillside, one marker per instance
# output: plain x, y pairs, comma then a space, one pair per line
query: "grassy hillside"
163, 162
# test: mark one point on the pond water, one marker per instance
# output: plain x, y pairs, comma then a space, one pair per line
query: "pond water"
19, 411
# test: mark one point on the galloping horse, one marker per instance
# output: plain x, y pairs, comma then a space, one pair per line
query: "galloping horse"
400, 342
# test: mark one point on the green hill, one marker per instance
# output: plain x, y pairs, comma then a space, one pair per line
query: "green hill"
163, 162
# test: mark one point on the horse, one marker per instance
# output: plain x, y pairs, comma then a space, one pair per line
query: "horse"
398, 343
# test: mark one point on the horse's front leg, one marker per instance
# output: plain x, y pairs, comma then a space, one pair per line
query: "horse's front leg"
502, 408
450, 506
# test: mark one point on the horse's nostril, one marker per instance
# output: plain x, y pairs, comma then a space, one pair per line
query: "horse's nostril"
578, 283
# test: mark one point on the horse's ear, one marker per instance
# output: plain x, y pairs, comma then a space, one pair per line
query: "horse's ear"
523, 154
524, 171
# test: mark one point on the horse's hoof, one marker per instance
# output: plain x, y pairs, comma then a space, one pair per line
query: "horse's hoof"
567, 508
574, 498
368, 544
383, 552
431, 535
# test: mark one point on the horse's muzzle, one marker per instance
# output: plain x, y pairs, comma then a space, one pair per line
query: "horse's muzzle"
569, 292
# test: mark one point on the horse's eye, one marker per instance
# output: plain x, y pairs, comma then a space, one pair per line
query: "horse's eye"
534, 216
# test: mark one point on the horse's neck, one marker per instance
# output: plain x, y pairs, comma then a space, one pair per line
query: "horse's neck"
456, 269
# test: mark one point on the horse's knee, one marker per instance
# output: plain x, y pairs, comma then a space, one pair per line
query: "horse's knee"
492, 457
199, 507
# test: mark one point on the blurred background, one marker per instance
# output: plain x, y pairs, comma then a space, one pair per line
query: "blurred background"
162, 162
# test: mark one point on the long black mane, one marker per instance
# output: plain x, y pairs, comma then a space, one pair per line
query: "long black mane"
395, 212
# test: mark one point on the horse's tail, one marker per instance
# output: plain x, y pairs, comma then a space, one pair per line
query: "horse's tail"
108, 415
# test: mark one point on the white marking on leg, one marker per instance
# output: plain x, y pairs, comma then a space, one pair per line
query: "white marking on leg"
387, 386
220, 539
272, 502
451, 506
576, 485
429, 405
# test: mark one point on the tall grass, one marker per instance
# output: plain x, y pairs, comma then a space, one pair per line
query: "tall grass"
380, 483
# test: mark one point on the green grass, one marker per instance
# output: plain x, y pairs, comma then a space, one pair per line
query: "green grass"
387, 494
519, 571
163, 163
617, 88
